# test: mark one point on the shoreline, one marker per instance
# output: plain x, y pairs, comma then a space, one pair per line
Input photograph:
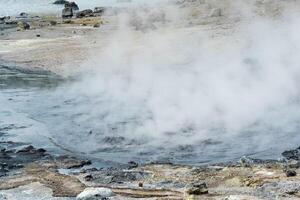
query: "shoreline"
27, 167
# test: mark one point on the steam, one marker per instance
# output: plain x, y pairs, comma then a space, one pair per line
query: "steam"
165, 82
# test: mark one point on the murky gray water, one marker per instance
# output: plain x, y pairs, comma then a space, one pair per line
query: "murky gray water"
40, 108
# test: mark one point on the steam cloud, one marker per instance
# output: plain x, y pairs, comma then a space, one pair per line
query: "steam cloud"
174, 84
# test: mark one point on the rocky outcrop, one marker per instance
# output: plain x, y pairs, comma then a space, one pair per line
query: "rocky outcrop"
85, 13
292, 154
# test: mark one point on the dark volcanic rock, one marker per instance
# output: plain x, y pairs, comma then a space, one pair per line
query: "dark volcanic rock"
119, 176
88, 177
53, 23
11, 159
132, 164
85, 13
290, 173
60, 2
68, 162
23, 15
292, 154
31, 150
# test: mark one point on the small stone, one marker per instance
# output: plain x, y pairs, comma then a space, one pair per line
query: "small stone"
53, 23
38, 35
141, 184
216, 12
97, 25
132, 164
23, 25
245, 161
88, 177
95, 194
290, 173
197, 188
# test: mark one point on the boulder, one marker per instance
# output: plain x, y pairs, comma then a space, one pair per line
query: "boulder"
67, 13
60, 2
95, 194
72, 5
197, 188
23, 25
84, 13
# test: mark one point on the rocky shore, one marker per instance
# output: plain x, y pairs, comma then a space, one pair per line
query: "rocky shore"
30, 173
61, 44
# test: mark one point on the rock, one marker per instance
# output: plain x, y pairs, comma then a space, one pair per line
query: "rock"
60, 2
67, 13
84, 13
31, 150
197, 188
23, 25
68, 21
293, 164
96, 25
141, 184
38, 35
290, 173
72, 5
95, 194
3, 197
132, 164
88, 177
292, 154
3, 19
98, 11
216, 12
23, 15
68, 162
53, 23
245, 161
